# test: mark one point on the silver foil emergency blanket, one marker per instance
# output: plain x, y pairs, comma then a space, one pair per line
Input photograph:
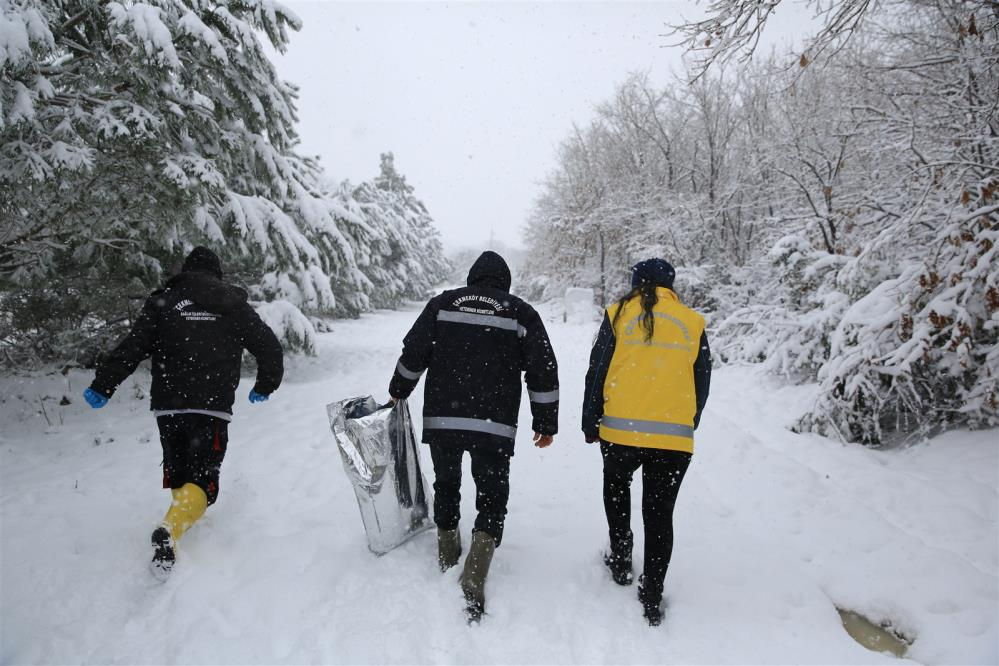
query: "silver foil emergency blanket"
381, 458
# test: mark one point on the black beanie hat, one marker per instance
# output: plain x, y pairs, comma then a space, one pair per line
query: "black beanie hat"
203, 259
653, 271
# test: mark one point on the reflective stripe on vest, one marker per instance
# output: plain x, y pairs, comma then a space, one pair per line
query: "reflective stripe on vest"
543, 398
648, 427
475, 425
491, 321
407, 373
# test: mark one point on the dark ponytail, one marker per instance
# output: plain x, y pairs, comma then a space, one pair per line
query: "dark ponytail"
647, 292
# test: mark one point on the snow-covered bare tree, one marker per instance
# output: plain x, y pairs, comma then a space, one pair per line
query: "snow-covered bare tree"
837, 222
921, 350
657, 172
733, 28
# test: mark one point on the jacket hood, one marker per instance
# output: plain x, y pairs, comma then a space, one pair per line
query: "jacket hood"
490, 270
203, 259
653, 271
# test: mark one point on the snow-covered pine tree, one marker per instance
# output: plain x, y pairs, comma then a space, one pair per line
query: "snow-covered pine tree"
397, 249
407, 256
425, 239
133, 130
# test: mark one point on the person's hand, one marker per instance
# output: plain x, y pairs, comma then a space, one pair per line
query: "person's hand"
542, 441
257, 397
94, 399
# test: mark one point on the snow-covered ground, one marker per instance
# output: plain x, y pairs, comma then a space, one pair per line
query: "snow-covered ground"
773, 532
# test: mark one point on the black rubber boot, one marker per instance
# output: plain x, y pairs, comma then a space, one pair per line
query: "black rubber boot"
448, 548
620, 569
652, 613
473, 577
618, 558
651, 600
164, 555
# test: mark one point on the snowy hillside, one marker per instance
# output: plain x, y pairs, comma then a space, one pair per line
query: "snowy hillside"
773, 532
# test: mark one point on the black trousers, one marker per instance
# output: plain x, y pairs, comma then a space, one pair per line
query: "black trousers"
491, 473
662, 474
194, 446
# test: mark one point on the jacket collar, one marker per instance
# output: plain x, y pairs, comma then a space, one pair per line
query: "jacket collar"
668, 294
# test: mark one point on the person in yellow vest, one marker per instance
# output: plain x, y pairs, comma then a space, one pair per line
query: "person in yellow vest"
646, 387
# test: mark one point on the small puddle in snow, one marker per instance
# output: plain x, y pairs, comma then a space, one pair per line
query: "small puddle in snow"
879, 638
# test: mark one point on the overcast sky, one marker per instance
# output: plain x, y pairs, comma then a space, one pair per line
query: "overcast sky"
473, 98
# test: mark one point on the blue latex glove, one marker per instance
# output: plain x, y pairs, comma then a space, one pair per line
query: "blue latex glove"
257, 397
94, 399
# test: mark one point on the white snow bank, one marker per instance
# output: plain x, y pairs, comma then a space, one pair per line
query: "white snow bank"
580, 306
773, 530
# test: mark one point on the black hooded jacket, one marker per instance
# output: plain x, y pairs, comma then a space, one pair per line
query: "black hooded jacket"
474, 343
195, 329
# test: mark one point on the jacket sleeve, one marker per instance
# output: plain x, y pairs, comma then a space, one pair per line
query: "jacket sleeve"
593, 396
137, 346
417, 348
702, 377
540, 372
259, 340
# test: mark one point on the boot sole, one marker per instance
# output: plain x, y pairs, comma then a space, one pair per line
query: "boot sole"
164, 556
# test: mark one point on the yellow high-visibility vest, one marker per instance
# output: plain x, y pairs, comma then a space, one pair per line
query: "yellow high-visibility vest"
649, 395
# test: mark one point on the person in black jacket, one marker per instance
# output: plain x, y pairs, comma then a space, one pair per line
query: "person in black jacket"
195, 329
474, 343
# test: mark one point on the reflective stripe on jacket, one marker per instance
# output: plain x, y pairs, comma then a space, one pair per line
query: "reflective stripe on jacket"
475, 343
650, 397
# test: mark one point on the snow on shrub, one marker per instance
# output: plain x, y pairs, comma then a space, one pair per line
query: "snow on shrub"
920, 352
791, 333
293, 328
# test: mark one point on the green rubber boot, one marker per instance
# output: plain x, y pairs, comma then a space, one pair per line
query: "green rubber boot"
448, 548
473, 578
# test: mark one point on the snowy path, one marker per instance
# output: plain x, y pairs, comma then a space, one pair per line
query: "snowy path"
773, 531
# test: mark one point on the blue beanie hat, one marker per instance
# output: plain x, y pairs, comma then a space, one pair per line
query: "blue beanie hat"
653, 271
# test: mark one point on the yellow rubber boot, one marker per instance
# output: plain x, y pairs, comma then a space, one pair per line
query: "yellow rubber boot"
189, 504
